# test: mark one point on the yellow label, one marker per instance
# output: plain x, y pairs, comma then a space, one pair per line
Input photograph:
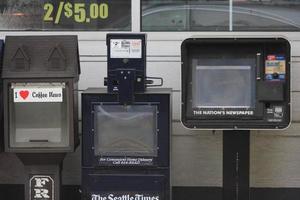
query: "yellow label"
78, 12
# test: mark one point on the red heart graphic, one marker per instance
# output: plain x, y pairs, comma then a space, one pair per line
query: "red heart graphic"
24, 94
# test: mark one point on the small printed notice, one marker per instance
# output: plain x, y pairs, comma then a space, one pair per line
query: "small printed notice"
125, 161
126, 48
37, 94
275, 68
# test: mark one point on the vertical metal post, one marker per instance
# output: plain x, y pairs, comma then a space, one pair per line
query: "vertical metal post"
236, 155
136, 15
230, 15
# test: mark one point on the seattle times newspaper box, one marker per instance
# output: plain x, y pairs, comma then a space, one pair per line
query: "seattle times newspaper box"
40, 75
126, 129
235, 84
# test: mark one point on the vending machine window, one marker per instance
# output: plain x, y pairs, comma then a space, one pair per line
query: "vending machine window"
39, 122
240, 83
139, 130
235, 87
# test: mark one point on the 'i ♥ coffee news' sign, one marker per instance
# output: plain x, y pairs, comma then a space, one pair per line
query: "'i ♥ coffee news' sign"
38, 94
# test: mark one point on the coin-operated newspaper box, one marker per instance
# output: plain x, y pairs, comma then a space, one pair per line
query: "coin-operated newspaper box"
40, 75
126, 129
234, 84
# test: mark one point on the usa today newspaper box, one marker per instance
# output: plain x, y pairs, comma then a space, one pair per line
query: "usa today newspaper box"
40, 75
237, 83
126, 131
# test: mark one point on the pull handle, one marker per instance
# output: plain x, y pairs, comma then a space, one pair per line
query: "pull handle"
258, 63
150, 81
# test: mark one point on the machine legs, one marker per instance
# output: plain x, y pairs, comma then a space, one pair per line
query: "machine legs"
236, 154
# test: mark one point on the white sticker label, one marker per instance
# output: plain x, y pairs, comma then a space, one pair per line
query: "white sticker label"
126, 48
38, 94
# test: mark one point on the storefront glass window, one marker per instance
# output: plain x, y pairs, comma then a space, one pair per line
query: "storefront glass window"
71, 15
220, 15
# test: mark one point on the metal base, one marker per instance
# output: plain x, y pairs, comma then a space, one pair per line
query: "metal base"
43, 175
236, 155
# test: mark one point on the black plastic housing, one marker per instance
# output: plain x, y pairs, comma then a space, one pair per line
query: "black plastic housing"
270, 93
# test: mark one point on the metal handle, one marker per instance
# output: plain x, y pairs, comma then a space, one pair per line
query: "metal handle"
149, 82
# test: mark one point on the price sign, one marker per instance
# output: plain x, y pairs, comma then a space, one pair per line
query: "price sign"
86, 15
79, 12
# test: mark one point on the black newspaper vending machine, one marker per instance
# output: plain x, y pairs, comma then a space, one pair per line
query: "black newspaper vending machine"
126, 129
235, 84
40, 75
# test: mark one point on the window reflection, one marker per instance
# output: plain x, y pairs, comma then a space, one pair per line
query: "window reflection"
199, 15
